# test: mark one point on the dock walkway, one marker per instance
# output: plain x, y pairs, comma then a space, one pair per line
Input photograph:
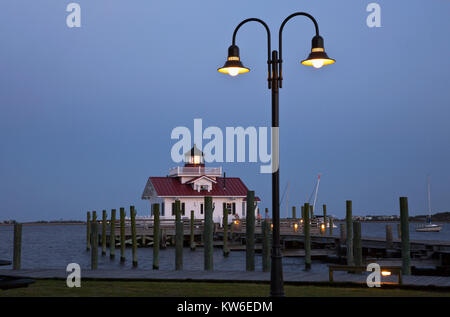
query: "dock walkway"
224, 276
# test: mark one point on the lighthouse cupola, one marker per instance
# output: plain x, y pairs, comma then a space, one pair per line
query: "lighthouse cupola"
194, 157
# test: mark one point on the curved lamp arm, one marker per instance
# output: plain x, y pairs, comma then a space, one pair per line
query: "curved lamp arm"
268, 43
280, 37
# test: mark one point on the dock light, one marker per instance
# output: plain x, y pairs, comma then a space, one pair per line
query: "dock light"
271, 226
236, 222
295, 226
322, 226
317, 58
301, 220
386, 273
233, 66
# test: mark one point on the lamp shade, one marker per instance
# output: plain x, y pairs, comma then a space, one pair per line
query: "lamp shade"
318, 58
233, 66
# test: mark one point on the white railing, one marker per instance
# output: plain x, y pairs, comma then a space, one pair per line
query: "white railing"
195, 171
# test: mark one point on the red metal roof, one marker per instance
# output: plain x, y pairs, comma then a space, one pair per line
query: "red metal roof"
172, 187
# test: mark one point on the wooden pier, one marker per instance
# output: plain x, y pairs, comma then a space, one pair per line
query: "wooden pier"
330, 248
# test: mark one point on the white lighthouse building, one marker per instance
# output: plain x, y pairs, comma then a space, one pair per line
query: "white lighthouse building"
190, 184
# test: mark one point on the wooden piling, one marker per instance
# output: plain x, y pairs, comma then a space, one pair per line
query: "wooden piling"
122, 234
94, 216
325, 219
250, 232
307, 239
192, 236
331, 224
311, 208
94, 244
156, 232
88, 231
406, 256
266, 245
17, 252
112, 235
104, 221
389, 238
357, 247
226, 250
349, 232
294, 216
208, 234
342, 233
133, 236
163, 243
179, 237
302, 220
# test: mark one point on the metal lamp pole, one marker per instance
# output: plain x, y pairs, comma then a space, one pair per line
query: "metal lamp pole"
233, 66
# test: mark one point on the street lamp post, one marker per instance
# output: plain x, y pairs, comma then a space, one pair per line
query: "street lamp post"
233, 66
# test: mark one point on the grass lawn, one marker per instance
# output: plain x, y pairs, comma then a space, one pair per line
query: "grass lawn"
166, 289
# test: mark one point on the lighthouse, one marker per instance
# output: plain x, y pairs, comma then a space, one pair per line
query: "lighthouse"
190, 184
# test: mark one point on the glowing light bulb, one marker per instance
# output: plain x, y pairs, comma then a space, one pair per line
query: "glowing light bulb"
233, 71
317, 63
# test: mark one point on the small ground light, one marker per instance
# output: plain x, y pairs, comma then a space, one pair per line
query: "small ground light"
386, 273
322, 227
236, 222
295, 226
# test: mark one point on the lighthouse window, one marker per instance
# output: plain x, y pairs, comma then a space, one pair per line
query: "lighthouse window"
234, 208
182, 209
162, 209
201, 209
243, 208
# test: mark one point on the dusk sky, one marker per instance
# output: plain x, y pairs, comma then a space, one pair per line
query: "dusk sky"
87, 113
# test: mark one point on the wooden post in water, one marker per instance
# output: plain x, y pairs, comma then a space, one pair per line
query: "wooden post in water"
94, 245
133, 236
302, 220
342, 233
225, 249
94, 216
156, 232
325, 219
389, 238
112, 235
250, 232
179, 237
294, 216
208, 234
104, 221
122, 234
307, 237
312, 212
192, 237
266, 245
406, 256
357, 248
330, 221
17, 252
88, 231
349, 232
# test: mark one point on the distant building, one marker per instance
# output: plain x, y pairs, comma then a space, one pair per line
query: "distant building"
190, 184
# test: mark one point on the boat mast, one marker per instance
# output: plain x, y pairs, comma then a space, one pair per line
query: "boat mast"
316, 191
429, 198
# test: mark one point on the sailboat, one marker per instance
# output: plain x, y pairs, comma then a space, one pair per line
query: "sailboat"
428, 226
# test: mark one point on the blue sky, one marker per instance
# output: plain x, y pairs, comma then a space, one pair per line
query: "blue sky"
86, 113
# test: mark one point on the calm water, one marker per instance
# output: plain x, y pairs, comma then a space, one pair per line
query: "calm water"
56, 246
